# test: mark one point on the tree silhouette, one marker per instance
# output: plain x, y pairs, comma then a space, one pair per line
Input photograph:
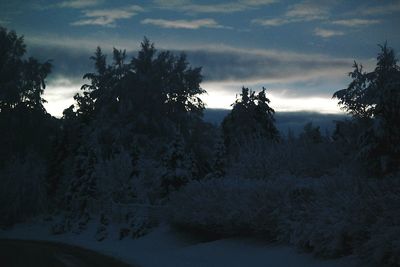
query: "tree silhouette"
374, 99
311, 133
27, 131
165, 86
137, 106
22, 81
24, 123
154, 86
251, 115
355, 99
178, 165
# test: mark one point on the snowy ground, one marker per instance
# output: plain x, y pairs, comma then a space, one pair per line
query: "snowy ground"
164, 247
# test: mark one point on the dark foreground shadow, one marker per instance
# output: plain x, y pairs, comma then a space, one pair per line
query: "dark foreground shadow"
21, 253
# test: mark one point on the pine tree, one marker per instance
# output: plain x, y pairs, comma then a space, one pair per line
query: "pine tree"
374, 100
22, 81
25, 126
126, 107
251, 116
311, 134
219, 159
179, 167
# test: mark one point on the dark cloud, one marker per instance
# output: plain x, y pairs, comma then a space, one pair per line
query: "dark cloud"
311, 73
243, 66
67, 62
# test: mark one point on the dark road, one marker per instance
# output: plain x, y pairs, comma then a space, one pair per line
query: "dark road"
18, 253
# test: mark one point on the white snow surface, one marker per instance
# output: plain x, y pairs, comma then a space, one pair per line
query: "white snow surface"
165, 247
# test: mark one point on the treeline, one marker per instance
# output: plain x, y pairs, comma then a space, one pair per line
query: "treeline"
135, 137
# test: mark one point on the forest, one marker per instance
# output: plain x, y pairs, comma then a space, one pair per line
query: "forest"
135, 150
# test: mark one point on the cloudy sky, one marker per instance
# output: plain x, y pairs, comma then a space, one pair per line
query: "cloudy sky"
301, 51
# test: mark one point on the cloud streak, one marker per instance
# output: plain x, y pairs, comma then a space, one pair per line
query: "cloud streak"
107, 17
393, 7
304, 11
308, 11
190, 7
271, 22
326, 33
185, 24
356, 22
79, 3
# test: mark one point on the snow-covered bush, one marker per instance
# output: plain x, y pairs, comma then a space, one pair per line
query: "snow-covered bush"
229, 206
331, 216
383, 246
22, 189
330, 221
259, 159
346, 215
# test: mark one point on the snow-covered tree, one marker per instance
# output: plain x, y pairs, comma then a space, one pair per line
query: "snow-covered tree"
130, 106
179, 167
219, 159
22, 81
251, 116
311, 134
25, 126
375, 97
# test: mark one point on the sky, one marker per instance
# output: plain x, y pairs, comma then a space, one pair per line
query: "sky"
300, 51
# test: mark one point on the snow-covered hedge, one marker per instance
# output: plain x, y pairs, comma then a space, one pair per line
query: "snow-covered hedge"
229, 206
332, 216
259, 158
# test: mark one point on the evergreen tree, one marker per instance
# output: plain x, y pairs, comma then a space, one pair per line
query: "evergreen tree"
179, 167
374, 100
24, 123
22, 81
219, 159
311, 134
27, 131
130, 106
355, 99
251, 116
153, 90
